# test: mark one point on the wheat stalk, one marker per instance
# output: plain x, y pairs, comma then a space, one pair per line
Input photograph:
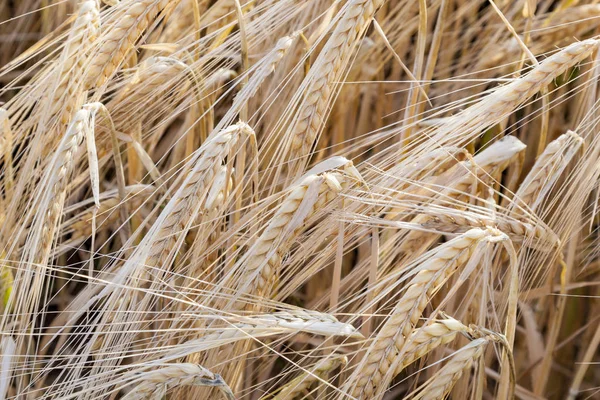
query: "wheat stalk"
243, 328
377, 368
45, 226
155, 382
150, 75
152, 79
216, 200
300, 384
496, 106
84, 32
546, 170
129, 22
145, 266
488, 163
305, 199
63, 165
258, 271
429, 337
268, 66
507, 97
326, 72
184, 205
81, 226
518, 231
442, 383
180, 21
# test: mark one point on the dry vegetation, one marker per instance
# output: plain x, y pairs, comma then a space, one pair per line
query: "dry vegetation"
281, 199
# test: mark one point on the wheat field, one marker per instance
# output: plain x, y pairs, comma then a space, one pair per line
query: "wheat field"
300, 199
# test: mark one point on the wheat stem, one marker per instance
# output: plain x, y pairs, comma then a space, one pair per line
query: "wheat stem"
155, 382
